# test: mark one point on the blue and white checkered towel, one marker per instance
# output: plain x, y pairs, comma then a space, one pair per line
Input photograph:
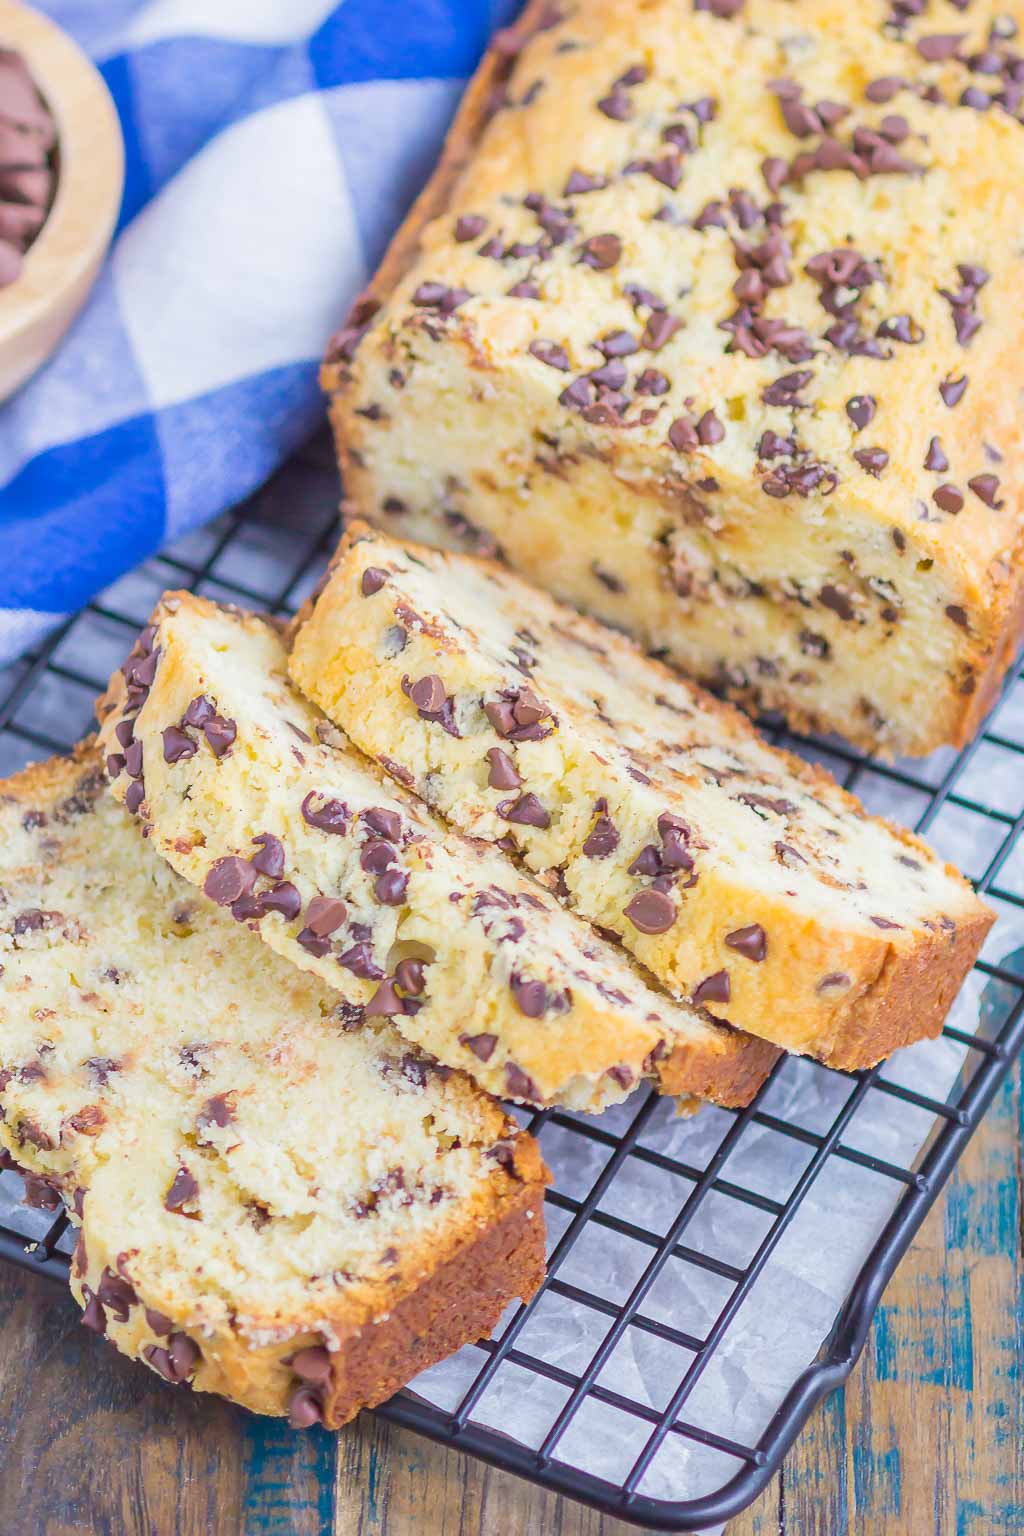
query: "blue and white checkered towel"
272, 146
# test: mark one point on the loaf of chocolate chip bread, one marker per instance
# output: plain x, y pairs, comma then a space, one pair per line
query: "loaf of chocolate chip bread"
249, 793
743, 878
709, 323
272, 1205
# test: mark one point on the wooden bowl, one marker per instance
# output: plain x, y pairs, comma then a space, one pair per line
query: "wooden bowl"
62, 262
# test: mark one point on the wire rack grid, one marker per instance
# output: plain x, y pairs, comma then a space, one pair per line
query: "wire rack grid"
268, 554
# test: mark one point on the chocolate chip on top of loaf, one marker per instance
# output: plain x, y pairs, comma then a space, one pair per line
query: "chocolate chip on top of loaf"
743, 878
709, 323
252, 795
273, 1204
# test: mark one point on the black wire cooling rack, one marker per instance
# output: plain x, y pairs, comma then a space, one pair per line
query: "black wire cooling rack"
268, 554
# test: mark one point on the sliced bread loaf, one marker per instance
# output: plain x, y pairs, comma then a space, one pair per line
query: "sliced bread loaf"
252, 795
273, 1205
743, 878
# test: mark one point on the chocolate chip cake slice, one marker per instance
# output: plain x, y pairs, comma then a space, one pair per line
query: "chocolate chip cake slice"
252, 795
273, 1205
709, 322
743, 878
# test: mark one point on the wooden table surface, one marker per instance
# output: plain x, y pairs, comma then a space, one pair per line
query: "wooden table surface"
924, 1441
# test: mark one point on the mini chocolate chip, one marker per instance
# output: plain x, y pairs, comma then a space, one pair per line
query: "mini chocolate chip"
93, 1317
376, 855
325, 915
502, 773
332, 816
935, 458
832, 597
160, 1324
117, 1294
411, 976
373, 579
390, 887
282, 898
386, 824
520, 1085
216, 1111
885, 922
602, 839
115, 763
482, 1046
551, 353
958, 615
709, 430
229, 878
938, 46
182, 1192
385, 1002
948, 498
713, 989
861, 410
427, 693
468, 226
873, 460
312, 1365
270, 859
650, 911
133, 759
833, 979
304, 1409
682, 434
527, 811
531, 996
220, 733
660, 328
199, 711
177, 745
359, 960
601, 251
751, 942
952, 390
986, 488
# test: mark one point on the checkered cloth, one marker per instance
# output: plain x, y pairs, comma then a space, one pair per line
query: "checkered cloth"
272, 146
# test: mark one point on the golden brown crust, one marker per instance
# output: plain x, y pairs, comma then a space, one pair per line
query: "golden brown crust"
911, 997
735, 1077
461, 1301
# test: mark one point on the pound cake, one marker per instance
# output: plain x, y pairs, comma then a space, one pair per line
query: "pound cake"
273, 1205
253, 796
742, 877
709, 322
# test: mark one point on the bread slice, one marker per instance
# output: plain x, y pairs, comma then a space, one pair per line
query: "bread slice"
709, 321
740, 876
273, 1205
253, 796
